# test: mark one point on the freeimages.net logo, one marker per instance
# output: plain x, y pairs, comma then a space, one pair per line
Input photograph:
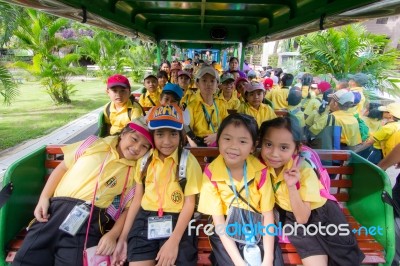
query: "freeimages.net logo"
257, 229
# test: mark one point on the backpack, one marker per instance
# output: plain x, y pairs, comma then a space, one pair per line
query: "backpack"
113, 209
364, 129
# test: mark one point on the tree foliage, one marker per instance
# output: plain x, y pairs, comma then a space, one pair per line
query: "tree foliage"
41, 33
351, 49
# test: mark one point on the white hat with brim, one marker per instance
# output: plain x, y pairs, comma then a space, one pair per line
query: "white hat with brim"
342, 96
392, 108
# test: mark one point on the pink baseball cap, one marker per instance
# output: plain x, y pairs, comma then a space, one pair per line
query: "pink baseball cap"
118, 80
268, 83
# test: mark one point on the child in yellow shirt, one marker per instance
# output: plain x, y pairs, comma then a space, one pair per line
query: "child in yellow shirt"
235, 184
298, 199
96, 172
155, 230
151, 97
254, 106
123, 108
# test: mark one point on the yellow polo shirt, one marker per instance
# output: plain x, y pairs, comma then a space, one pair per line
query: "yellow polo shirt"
188, 97
359, 107
313, 104
309, 186
384, 133
144, 100
80, 180
350, 129
319, 123
373, 124
232, 104
314, 116
119, 119
161, 179
216, 200
264, 112
198, 121
279, 97
296, 111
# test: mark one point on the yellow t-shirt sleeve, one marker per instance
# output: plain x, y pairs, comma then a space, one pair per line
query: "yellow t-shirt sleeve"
383, 133
309, 184
210, 200
193, 176
69, 153
267, 201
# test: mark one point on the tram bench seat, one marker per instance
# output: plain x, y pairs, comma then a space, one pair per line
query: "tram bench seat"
350, 175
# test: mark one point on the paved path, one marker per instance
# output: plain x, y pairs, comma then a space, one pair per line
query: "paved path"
76, 130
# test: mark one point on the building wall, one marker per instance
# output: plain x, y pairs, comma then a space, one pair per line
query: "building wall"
389, 26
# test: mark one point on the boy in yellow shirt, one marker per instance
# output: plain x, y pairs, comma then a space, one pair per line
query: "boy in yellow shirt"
206, 113
122, 108
254, 106
151, 97
227, 92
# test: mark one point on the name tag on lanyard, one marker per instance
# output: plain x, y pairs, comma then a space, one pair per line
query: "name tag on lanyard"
159, 227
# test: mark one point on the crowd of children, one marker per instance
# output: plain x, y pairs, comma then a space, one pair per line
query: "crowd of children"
208, 107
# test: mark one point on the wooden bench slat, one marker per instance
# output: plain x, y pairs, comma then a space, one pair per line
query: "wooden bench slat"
54, 149
344, 170
342, 183
51, 164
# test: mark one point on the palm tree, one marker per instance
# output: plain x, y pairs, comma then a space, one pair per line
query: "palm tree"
40, 33
351, 49
8, 14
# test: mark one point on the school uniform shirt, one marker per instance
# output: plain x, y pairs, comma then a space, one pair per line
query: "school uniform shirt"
373, 124
314, 116
198, 117
264, 112
319, 123
309, 186
161, 179
188, 97
351, 135
279, 98
296, 111
232, 104
384, 133
119, 119
359, 107
304, 91
215, 200
80, 180
313, 104
144, 100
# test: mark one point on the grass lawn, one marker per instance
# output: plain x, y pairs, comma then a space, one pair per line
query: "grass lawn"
34, 114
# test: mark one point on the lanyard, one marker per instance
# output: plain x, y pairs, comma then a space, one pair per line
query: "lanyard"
246, 188
161, 196
275, 187
209, 117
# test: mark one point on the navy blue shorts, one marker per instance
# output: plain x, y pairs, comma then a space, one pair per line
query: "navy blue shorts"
142, 249
45, 244
341, 250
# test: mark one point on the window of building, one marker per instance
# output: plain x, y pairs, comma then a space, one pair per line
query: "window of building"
382, 20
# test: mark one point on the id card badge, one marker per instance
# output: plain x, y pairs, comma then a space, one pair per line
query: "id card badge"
75, 219
159, 227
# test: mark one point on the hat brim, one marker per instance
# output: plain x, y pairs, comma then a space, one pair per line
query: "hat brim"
164, 123
174, 92
150, 76
383, 109
232, 79
115, 84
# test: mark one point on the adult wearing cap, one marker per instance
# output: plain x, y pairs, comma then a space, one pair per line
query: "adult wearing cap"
175, 68
254, 106
315, 102
151, 96
227, 91
206, 113
357, 83
278, 96
391, 113
122, 108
